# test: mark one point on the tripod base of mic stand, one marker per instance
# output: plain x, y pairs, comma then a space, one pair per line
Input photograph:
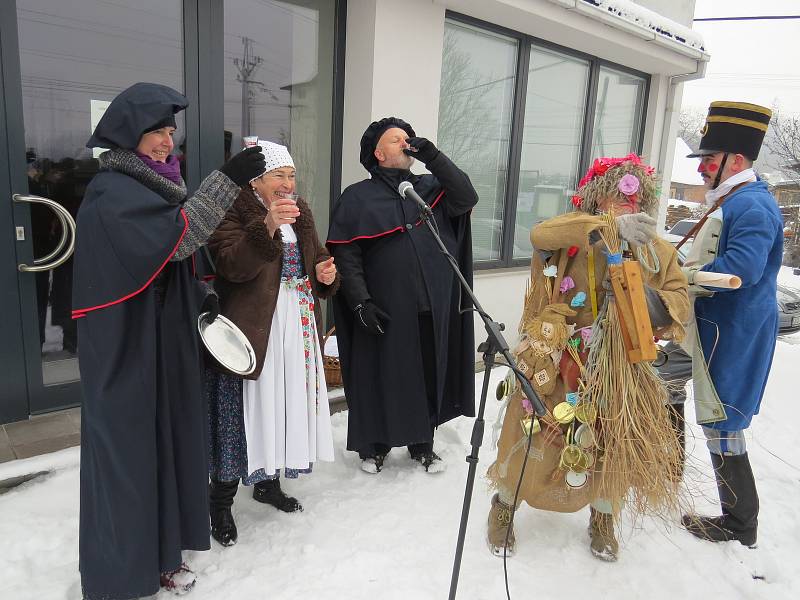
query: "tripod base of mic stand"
489, 348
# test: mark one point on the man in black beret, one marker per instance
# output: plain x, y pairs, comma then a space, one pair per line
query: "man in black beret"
731, 339
406, 347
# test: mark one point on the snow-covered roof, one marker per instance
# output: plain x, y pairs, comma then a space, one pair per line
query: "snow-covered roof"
628, 10
641, 21
684, 170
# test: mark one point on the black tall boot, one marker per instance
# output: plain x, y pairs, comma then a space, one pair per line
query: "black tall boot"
739, 500
220, 495
675, 412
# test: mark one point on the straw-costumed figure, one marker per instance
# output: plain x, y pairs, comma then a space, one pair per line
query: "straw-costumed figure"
634, 452
642, 459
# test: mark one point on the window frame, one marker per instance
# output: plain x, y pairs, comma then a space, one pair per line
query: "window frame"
524, 44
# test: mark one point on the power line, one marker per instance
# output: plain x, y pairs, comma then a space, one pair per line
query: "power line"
759, 18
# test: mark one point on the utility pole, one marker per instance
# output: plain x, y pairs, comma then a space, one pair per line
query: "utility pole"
247, 66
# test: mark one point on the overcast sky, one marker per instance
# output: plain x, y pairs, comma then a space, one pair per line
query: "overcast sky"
751, 61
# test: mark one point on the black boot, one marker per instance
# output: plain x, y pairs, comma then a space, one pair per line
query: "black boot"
675, 412
423, 453
220, 494
269, 492
739, 500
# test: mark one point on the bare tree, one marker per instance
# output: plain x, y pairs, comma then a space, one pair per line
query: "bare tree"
690, 123
783, 141
467, 119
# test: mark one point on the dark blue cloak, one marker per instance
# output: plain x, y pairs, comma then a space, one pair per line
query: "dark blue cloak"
383, 375
143, 452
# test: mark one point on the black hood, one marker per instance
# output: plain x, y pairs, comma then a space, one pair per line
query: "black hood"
133, 112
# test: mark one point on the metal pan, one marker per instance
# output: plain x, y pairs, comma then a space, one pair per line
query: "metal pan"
227, 344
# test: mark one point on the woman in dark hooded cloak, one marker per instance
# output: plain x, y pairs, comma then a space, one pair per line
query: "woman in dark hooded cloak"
137, 297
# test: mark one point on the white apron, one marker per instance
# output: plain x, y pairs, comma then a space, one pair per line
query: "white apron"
286, 414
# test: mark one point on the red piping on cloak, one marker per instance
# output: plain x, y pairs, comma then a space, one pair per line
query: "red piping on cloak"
377, 235
81, 312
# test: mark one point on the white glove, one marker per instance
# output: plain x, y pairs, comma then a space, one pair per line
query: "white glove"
637, 228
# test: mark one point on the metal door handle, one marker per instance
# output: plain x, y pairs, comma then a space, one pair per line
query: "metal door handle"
48, 262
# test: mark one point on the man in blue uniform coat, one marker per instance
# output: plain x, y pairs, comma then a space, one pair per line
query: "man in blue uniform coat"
735, 329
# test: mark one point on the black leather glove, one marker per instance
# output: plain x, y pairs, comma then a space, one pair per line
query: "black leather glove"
371, 318
210, 306
245, 166
422, 149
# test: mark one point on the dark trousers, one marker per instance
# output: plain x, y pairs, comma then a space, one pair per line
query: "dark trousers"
428, 348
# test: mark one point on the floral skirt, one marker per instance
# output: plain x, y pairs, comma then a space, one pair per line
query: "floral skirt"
227, 452
281, 421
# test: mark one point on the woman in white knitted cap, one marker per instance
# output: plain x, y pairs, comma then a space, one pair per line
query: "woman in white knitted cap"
271, 271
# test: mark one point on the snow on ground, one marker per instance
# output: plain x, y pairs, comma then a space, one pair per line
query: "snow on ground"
392, 535
786, 277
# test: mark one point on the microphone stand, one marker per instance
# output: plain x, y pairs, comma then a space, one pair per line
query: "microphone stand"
495, 343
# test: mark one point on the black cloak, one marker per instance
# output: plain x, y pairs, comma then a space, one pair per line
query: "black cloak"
143, 487
383, 375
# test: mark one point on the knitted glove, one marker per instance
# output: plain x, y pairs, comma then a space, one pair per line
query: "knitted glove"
422, 149
637, 228
245, 166
371, 318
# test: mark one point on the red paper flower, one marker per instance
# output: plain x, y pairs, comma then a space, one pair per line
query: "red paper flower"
572, 251
577, 201
601, 165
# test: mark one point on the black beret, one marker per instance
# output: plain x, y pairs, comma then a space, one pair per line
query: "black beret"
373, 135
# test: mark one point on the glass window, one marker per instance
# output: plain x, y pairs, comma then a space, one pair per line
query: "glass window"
555, 106
475, 114
75, 57
477, 111
279, 85
618, 113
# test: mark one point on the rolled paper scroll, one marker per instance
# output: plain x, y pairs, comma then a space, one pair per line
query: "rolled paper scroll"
720, 280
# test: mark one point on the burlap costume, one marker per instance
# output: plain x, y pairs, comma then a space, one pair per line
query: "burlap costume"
543, 485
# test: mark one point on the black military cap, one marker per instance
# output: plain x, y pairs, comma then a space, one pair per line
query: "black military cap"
737, 127
373, 135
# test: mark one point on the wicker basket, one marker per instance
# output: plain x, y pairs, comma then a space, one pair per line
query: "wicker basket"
333, 369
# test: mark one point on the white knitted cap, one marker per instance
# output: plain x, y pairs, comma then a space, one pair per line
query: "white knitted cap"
275, 155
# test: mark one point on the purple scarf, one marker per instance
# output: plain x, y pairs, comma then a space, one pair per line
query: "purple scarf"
171, 169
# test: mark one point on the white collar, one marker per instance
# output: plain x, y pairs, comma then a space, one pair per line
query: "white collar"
726, 186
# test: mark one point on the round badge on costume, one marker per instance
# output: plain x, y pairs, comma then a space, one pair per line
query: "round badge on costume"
576, 480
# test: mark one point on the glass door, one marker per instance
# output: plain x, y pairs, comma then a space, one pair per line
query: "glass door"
68, 61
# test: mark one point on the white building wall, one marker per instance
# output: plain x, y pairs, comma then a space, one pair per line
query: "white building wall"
393, 67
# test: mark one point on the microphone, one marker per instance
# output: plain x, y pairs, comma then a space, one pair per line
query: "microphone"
406, 190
